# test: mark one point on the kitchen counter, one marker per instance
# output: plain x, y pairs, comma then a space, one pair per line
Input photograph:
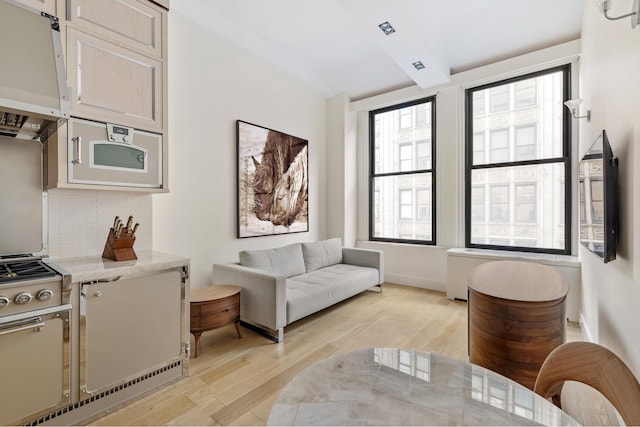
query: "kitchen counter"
97, 268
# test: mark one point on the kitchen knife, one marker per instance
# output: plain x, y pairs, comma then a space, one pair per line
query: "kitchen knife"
135, 228
115, 222
129, 223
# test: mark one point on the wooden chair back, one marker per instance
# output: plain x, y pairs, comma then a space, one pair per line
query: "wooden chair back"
596, 366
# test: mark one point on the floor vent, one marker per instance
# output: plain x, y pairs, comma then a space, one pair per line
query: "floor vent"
105, 393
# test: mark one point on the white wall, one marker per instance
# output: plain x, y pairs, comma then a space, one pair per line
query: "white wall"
610, 83
212, 84
426, 266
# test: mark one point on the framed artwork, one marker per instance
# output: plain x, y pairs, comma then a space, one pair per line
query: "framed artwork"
272, 182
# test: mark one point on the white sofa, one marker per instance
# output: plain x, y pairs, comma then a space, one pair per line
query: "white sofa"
282, 285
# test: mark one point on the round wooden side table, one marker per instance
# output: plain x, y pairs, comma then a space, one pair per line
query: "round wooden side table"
213, 307
516, 317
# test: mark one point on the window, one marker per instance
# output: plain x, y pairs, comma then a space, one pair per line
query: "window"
525, 93
406, 118
525, 203
406, 204
525, 143
402, 171
518, 155
499, 143
499, 98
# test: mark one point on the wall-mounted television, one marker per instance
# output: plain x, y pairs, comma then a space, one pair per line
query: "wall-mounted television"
598, 188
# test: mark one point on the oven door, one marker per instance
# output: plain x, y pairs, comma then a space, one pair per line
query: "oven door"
35, 361
108, 154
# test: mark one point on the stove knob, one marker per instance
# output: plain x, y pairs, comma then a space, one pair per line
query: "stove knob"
23, 298
44, 295
4, 301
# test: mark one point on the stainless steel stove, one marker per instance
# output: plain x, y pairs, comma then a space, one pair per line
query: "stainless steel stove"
35, 309
28, 285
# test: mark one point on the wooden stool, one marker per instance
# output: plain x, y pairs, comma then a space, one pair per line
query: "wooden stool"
213, 307
516, 317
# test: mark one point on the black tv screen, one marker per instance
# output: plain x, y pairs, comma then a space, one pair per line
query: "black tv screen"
598, 188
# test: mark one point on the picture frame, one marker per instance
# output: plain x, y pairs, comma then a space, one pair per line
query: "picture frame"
272, 179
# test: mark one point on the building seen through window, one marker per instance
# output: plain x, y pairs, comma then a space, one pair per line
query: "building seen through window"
518, 155
402, 173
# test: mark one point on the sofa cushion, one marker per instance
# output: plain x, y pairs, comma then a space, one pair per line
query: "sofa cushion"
311, 292
322, 254
286, 260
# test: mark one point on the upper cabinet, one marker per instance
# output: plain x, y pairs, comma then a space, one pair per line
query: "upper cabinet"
116, 62
129, 23
116, 58
48, 6
113, 84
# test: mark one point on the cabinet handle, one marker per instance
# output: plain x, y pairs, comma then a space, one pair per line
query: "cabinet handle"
77, 140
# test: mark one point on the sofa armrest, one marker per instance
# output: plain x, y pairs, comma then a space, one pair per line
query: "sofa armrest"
263, 297
365, 258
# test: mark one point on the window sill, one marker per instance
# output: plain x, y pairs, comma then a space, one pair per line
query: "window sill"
560, 260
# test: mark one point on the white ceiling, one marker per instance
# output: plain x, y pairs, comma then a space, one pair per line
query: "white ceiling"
336, 46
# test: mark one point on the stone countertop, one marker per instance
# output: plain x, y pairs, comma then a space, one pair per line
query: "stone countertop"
392, 386
83, 269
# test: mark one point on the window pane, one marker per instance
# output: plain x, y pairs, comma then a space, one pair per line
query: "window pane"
525, 143
406, 157
525, 93
478, 148
542, 114
423, 149
400, 144
536, 195
402, 161
499, 98
477, 203
525, 203
396, 206
499, 146
478, 103
406, 118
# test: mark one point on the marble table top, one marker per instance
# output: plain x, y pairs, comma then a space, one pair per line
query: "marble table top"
392, 386
89, 268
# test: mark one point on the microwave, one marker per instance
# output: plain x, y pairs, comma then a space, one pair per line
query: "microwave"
110, 154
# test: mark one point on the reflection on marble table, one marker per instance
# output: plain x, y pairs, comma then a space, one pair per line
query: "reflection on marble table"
392, 386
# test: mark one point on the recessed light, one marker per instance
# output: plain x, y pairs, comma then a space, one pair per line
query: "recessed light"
418, 65
387, 28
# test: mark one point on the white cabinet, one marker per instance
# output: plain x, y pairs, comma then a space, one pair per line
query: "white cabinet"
48, 6
132, 24
128, 328
113, 84
116, 60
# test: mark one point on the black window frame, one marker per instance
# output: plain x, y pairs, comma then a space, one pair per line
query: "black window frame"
565, 159
432, 170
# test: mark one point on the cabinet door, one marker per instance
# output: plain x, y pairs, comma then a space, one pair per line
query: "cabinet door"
128, 328
48, 6
129, 23
113, 84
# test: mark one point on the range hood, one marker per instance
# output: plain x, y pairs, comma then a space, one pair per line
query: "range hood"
33, 84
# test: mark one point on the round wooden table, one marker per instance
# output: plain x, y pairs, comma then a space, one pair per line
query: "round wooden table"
516, 317
213, 307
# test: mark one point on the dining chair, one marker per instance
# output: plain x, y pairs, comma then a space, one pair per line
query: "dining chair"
593, 365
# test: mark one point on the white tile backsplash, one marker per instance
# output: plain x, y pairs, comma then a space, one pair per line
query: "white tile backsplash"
79, 220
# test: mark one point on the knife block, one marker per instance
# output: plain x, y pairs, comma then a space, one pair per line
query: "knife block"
119, 248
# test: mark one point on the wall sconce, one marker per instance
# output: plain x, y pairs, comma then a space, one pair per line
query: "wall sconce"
573, 105
604, 6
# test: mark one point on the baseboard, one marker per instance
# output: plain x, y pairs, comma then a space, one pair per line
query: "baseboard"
416, 282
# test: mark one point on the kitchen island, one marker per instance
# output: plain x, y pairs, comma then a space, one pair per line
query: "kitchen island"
129, 330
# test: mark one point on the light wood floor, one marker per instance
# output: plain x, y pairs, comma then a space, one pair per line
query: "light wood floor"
235, 381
